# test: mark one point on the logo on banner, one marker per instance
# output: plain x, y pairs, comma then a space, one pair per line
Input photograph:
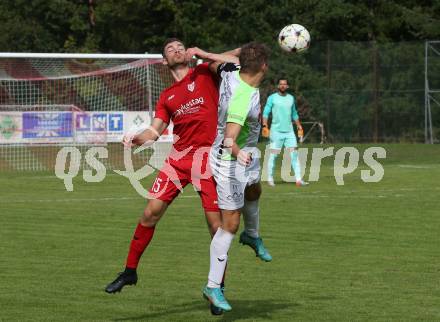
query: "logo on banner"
99, 122
7, 127
138, 120
82, 122
116, 122
47, 125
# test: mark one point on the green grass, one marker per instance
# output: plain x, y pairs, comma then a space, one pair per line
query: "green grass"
358, 252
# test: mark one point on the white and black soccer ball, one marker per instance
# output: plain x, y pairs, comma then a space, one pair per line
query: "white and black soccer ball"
294, 38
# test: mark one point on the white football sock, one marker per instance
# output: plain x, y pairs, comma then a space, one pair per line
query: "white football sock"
251, 217
219, 256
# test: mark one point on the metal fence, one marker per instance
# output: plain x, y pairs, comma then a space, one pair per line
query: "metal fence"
364, 91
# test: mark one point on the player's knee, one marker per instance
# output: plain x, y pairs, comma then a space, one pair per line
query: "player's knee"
213, 227
231, 222
150, 217
214, 220
231, 227
253, 193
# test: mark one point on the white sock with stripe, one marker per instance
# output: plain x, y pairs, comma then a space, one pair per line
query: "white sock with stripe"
220, 244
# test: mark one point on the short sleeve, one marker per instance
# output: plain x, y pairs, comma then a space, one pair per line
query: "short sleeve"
295, 116
268, 107
226, 68
239, 107
161, 110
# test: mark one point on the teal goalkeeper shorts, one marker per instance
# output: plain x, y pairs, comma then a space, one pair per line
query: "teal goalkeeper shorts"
278, 140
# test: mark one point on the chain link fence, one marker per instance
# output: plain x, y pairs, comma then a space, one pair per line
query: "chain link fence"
361, 91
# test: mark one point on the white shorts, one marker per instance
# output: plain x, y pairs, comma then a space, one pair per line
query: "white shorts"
232, 178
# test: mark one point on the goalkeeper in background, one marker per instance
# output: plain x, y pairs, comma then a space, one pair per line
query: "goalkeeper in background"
283, 109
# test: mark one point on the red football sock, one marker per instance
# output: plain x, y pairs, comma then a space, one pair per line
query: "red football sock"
141, 239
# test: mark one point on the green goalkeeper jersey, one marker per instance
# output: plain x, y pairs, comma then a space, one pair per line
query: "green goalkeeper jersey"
283, 111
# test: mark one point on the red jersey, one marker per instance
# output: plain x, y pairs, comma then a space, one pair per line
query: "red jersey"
191, 104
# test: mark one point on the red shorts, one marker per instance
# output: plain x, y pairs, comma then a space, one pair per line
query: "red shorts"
176, 174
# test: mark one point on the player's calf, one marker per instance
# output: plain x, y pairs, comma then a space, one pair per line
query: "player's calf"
153, 212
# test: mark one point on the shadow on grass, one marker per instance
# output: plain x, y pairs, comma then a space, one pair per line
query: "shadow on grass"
242, 309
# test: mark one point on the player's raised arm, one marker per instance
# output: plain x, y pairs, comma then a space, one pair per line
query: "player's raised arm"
226, 57
230, 56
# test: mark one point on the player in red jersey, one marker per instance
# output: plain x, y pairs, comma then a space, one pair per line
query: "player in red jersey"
191, 103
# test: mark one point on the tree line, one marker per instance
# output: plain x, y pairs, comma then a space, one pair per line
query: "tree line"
354, 78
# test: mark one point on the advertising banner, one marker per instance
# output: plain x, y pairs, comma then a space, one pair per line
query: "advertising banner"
10, 127
141, 120
73, 127
99, 127
47, 127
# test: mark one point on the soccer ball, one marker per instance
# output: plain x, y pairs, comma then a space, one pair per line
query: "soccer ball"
294, 38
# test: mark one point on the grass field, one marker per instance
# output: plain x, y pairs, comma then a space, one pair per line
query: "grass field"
358, 252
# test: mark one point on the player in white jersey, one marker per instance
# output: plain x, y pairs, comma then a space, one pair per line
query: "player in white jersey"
235, 163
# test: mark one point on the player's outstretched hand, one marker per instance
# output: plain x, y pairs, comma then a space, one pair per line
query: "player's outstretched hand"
195, 51
127, 140
244, 157
265, 132
131, 136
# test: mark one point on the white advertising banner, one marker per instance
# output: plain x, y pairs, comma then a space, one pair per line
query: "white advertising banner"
36, 127
141, 120
98, 127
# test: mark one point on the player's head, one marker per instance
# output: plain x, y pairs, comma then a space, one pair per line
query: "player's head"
282, 84
254, 58
173, 51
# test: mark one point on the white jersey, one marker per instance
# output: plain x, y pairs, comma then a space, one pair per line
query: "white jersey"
238, 103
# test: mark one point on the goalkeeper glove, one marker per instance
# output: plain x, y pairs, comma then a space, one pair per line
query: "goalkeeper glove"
265, 132
300, 133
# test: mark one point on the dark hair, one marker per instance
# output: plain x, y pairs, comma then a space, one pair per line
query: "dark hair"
253, 56
170, 40
282, 78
